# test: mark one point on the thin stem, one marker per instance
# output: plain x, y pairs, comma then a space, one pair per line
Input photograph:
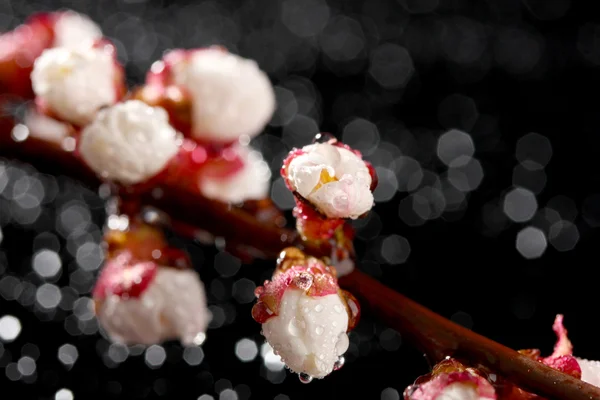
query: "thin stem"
435, 335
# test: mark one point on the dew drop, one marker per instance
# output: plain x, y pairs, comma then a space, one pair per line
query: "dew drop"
323, 137
305, 378
337, 308
295, 327
341, 202
319, 308
319, 330
339, 363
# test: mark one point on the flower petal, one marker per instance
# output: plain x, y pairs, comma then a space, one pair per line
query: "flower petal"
590, 371
563, 346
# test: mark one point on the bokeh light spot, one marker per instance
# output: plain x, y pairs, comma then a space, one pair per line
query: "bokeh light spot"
531, 242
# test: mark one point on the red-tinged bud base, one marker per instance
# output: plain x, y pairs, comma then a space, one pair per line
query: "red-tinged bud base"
124, 277
312, 225
145, 243
309, 274
190, 165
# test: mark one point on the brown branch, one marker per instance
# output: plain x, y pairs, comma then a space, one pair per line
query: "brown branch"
439, 337
435, 335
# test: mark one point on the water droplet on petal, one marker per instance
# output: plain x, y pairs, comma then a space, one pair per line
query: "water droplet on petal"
319, 308
341, 202
303, 280
323, 137
295, 327
339, 363
319, 330
305, 378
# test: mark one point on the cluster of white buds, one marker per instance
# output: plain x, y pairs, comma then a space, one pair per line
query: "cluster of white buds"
79, 88
195, 116
229, 100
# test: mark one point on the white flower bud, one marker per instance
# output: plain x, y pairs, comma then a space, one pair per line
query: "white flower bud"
74, 30
461, 391
335, 180
590, 371
231, 96
129, 142
74, 83
173, 306
250, 183
309, 333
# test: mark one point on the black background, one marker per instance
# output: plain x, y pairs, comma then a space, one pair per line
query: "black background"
458, 266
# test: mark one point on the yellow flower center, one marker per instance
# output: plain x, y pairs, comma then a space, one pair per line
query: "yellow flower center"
324, 179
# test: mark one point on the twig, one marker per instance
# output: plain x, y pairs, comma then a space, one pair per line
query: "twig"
435, 335
438, 337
